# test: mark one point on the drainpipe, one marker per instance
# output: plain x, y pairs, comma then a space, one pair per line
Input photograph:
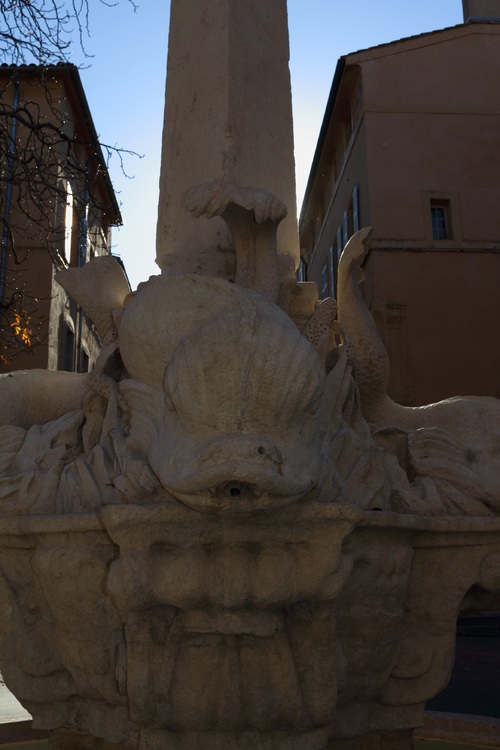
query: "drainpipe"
8, 191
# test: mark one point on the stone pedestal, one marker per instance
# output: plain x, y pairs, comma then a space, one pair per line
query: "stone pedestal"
61, 739
385, 741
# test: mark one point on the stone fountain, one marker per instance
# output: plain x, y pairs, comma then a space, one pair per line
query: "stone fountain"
227, 537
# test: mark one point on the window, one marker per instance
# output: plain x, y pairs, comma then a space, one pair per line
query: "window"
324, 282
441, 217
84, 361
68, 349
340, 246
441, 220
351, 222
345, 229
302, 271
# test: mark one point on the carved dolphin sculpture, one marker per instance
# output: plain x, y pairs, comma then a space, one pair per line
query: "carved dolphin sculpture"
456, 440
226, 404
100, 287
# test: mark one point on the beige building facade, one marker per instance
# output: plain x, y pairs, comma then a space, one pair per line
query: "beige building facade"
410, 146
57, 208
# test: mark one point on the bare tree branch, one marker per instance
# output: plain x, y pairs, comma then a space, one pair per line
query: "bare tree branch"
50, 165
43, 31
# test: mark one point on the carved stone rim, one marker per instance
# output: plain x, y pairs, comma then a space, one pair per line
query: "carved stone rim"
306, 516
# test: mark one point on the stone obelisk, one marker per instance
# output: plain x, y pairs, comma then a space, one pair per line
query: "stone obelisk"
228, 116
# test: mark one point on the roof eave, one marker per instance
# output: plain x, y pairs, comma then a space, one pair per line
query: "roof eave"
332, 98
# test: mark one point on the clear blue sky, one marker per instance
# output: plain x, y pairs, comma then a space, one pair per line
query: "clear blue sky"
125, 82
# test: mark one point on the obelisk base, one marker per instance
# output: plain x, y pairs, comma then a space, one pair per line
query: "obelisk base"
61, 739
402, 740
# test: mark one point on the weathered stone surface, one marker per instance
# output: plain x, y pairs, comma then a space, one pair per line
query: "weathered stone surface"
385, 741
228, 117
260, 436
60, 739
205, 553
307, 619
480, 731
226, 537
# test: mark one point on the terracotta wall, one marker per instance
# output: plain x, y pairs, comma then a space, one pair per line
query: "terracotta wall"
430, 128
31, 268
432, 124
450, 319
